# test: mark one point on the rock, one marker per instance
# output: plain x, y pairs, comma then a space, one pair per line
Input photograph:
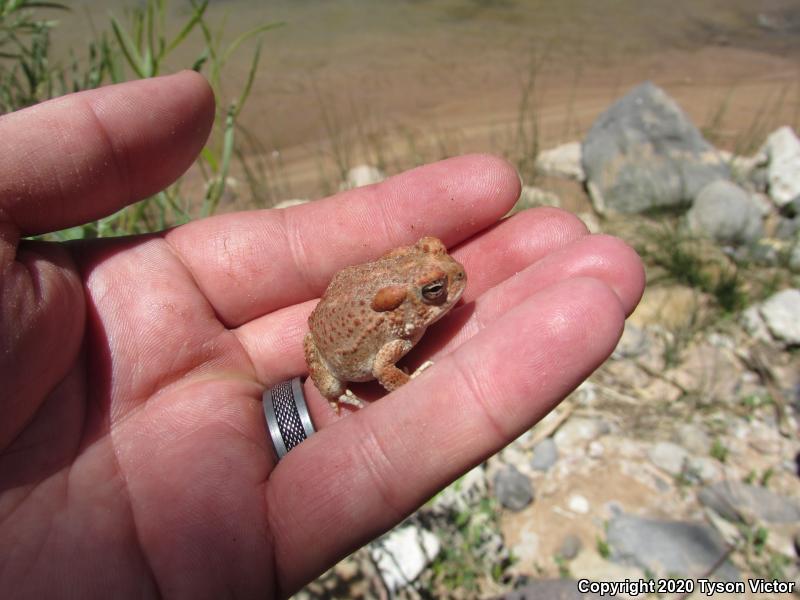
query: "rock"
579, 430
726, 213
362, 175
781, 314
754, 324
552, 589
737, 501
747, 169
644, 153
562, 161
783, 173
464, 493
528, 545
595, 449
531, 197
585, 396
545, 455
673, 548
764, 439
513, 489
591, 221
570, 546
578, 504
703, 470
669, 457
514, 455
634, 342
786, 229
764, 252
292, 202
402, 554
693, 437
794, 257
669, 307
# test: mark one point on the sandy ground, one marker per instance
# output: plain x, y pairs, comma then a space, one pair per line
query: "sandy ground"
736, 95
399, 83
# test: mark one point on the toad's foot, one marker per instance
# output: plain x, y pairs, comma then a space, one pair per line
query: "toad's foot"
350, 398
423, 367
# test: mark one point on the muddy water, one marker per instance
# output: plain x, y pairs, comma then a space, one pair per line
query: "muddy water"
398, 81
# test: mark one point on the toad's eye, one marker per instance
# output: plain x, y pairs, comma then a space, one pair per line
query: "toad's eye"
435, 292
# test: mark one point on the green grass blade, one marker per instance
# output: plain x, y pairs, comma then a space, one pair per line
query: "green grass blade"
197, 15
250, 78
200, 61
218, 188
128, 48
56, 5
210, 159
150, 27
247, 35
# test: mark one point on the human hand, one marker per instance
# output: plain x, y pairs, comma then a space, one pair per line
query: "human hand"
134, 458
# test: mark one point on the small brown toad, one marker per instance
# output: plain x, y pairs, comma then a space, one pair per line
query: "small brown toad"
372, 314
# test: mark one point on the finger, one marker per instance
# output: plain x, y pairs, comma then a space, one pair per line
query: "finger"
249, 264
355, 479
514, 244
274, 341
86, 155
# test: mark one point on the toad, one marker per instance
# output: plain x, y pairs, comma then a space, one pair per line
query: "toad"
372, 314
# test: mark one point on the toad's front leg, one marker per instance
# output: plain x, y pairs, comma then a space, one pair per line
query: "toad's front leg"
384, 369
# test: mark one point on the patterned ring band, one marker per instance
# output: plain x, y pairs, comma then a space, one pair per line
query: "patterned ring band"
287, 415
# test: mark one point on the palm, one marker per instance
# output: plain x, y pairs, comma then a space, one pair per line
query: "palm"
135, 457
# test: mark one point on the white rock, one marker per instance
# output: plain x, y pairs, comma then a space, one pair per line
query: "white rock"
754, 324
764, 439
704, 469
591, 221
596, 449
527, 548
585, 395
578, 504
693, 437
464, 492
743, 166
531, 196
362, 175
514, 456
577, 431
562, 161
292, 202
781, 313
634, 341
783, 172
762, 203
402, 554
669, 457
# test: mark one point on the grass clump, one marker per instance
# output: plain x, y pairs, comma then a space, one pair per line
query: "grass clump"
719, 451
691, 261
468, 564
138, 46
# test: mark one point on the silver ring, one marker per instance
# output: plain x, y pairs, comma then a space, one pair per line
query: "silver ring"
287, 415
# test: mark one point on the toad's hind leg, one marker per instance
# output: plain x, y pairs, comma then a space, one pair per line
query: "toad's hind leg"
327, 383
330, 386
